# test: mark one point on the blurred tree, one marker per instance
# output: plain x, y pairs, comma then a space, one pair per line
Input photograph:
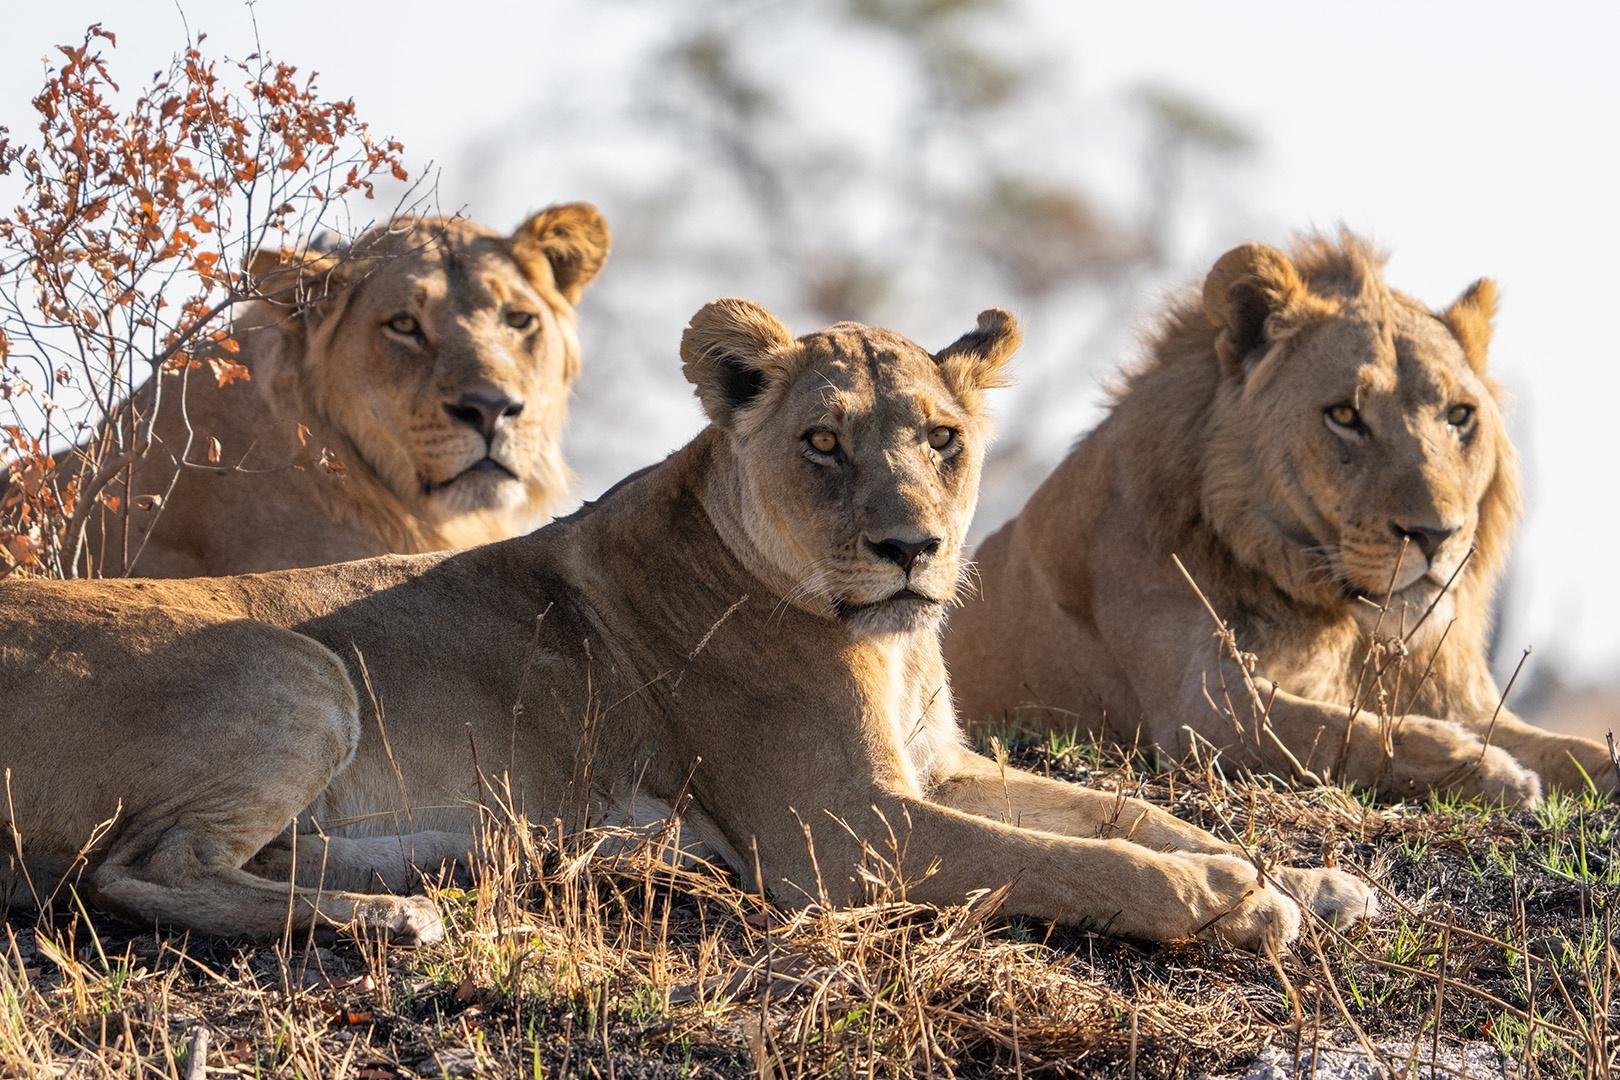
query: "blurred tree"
906, 162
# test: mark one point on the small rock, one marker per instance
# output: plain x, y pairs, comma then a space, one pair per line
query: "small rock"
457, 1062
1345, 1059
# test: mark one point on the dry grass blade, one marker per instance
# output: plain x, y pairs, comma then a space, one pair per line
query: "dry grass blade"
613, 952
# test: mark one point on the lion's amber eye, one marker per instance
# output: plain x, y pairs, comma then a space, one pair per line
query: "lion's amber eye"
1345, 415
520, 320
1460, 416
942, 438
404, 324
823, 442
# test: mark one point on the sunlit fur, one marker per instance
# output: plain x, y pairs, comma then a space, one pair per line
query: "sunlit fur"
688, 642
1221, 450
1315, 506
387, 391
331, 379
816, 516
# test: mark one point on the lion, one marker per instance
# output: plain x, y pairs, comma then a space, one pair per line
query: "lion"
745, 635
406, 394
1327, 458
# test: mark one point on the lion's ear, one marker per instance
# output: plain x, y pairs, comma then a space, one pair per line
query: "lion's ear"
305, 285
1469, 318
729, 352
261, 263
567, 243
1247, 287
977, 360
292, 277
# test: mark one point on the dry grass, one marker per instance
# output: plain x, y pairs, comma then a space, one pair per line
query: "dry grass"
602, 955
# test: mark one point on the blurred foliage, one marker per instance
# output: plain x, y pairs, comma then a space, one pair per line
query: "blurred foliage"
949, 176
904, 162
1185, 118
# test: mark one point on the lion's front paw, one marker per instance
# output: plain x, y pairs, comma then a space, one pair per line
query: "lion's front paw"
1499, 777
1334, 896
1239, 910
1438, 755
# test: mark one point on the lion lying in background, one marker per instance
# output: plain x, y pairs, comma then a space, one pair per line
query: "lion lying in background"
431, 361
1310, 443
746, 632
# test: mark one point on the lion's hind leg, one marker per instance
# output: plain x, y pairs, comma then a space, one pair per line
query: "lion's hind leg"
238, 759
392, 862
186, 869
234, 902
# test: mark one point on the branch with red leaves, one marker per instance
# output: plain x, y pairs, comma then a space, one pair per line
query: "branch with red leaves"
123, 260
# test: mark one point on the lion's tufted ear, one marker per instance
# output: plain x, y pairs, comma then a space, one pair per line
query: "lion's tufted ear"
976, 360
290, 276
309, 284
567, 242
1247, 287
729, 352
1469, 318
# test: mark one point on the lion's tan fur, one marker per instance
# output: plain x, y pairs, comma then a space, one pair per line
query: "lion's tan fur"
339, 446
729, 632
1218, 450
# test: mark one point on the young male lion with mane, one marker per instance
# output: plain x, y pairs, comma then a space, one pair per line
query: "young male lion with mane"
748, 631
431, 360
1327, 458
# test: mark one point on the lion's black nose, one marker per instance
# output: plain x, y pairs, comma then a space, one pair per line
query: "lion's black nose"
483, 411
903, 553
1428, 538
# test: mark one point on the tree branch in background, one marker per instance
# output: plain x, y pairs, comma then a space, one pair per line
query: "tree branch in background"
120, 267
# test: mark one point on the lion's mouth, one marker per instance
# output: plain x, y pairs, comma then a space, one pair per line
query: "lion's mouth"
1421, 588
846, 609
483, 465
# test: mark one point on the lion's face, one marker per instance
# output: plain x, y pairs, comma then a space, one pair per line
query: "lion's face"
1356, 434
858, 456
444, 354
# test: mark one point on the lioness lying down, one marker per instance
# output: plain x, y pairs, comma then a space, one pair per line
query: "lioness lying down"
748, 629
1328, 459
431, 360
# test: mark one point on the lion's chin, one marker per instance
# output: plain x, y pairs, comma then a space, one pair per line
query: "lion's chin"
1400, 611
905, 612
486, 485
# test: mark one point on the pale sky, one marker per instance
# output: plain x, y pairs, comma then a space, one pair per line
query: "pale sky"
1475, 140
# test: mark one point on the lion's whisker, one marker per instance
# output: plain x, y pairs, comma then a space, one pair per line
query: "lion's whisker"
810, 584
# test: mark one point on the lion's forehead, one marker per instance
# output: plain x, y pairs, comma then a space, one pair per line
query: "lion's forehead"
416, 236
1430, 368
1406, 354
856, 371
474, 281
899, 406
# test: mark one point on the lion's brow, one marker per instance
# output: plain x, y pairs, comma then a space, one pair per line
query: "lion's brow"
496, 287
933, 410
835, 401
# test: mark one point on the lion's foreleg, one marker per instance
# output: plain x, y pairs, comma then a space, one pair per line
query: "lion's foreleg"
1114, 885
1408, 756
977, 785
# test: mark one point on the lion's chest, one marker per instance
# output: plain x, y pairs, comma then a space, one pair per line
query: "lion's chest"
1326, 662
908, 718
